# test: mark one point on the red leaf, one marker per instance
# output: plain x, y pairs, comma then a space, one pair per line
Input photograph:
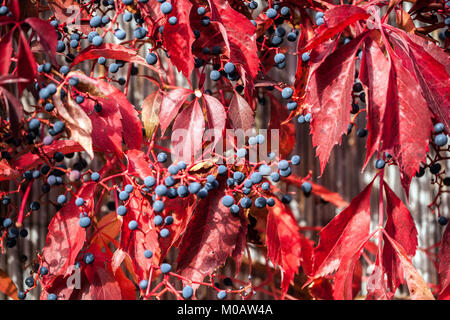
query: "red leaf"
239, 35
344, 279
444, 266
187, 133
178, 38
65, 237
111, 51
336, 20
344, 235
69, 12
401, 137
134, 243
171, 104
26, 68
329, 96
418, 288
322, 289
210, 238
181, 211
138, 164
115, 99
374, 70
400, 226
217, 117
7, 286
240, 113
431, 74
6, 48
47, 35
286, 131
283, 241
7, 172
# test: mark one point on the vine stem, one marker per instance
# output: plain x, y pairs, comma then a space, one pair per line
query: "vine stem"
22, 206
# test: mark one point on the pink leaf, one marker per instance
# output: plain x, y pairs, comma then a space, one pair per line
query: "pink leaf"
187, 134
171, 104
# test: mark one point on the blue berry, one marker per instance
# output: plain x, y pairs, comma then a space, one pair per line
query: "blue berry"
101, 60
245, 202
95, 21
187, 292
89, 258
164, 233
306, 187
64, 70
166, 268
60, 47
283, 165
34, 124
161, 190
285, 11
158, 206
29, 281
227, 201
143, 284
97, 41
173, 20
148, 254
127, 2
43, 271
132, 225
279, 58
260, 139
229, 67
61, 199
201, 11
252, 141
166, 8
95, 176
305, 57
287, 93
234, 209
79, 202
181, 165
173, 169
129, 188
85, 222
3, 10
215, 75
439, 127
286, 173
222, 170
270, 202
205, 21
149, 181
291, 105
320, 21
140, 33
194, 187
121, 210
124, 196
260, 202
73, 81
113, 68
265, 186
264, 170
295, 160
44, 93
74, 44
158, 220
271, 13
21, 295
222, 294
256, 177
168, 220
292, 36
120, 34
161, 157
241, 153
441, 139
238, 176
182, 191
379, 164
127, 16
203, 193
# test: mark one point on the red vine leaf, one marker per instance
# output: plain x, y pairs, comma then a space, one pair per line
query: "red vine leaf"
209, 239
